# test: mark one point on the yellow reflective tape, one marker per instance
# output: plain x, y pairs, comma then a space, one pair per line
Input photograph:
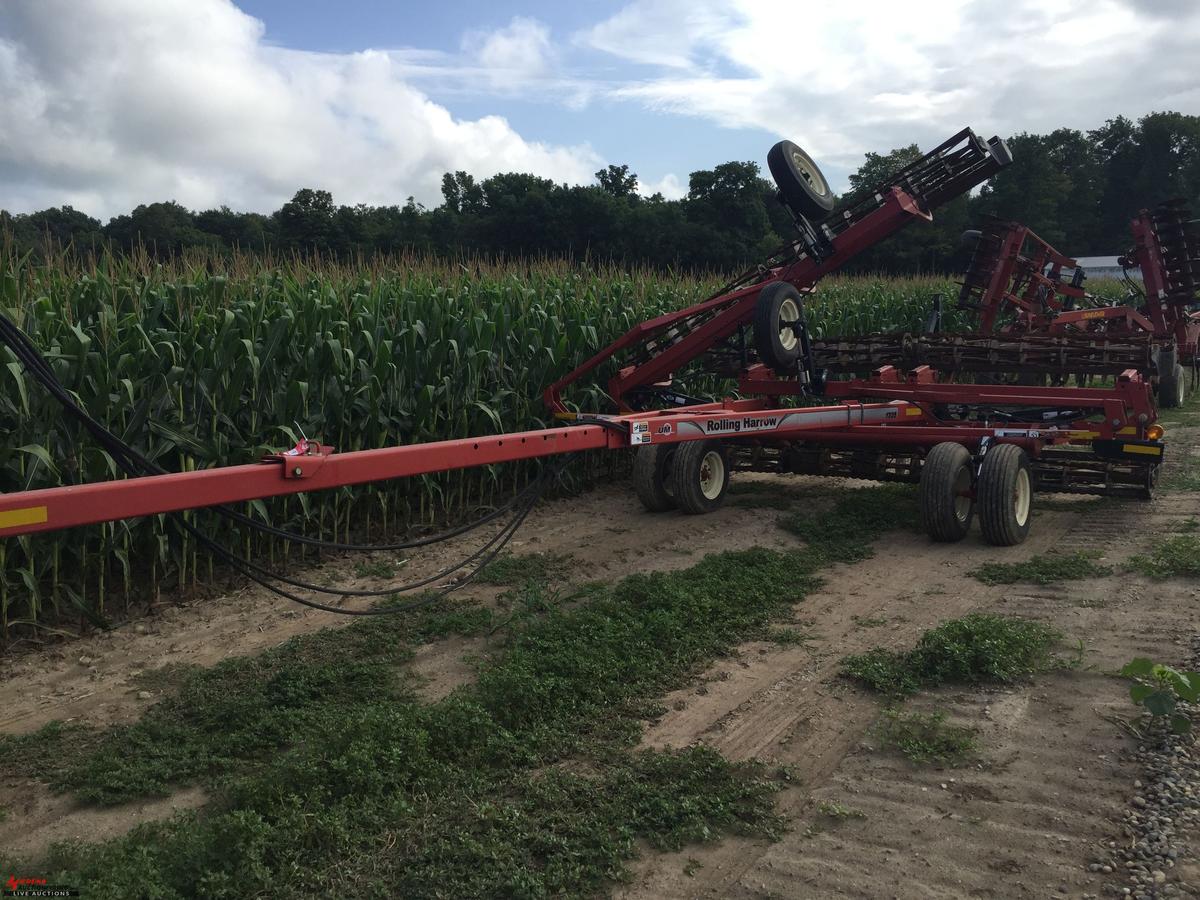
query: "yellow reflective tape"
1139, 448
1129, 430
30, 515
913, 411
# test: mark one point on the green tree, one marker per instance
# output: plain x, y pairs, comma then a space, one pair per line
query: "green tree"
618, 181
879, 168
308, 221
728, 217
163, 228
921, 246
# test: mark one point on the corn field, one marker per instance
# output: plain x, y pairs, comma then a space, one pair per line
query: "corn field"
198, 366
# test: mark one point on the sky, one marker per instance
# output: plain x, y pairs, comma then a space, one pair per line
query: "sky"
106, 104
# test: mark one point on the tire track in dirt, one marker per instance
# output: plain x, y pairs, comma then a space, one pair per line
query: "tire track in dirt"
107, 678
605, 532
1053, 778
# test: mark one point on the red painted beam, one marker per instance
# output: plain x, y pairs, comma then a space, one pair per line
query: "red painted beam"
87, 504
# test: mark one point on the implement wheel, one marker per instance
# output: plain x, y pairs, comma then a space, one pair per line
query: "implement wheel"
801, 183
946, 502
652, 476
1005, 495
779, 309
1172, 389
699, 476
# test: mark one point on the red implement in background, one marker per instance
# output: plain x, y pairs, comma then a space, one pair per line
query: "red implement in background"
888, 426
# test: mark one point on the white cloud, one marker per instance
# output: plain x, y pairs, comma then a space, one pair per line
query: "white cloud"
846, 78
112, 103
105, 104
669, 186
511, 56
664, 33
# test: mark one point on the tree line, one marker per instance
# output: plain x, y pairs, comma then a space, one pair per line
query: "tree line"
1078, 190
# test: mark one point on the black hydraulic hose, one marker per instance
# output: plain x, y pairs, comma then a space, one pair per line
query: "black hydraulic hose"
238, 564
134, 463
391, 589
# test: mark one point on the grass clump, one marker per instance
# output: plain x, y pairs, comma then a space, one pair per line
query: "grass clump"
1176, 557
763, 501
511, 569
976, 648
1068, 503
1047, 568
379, 568
834, 810
524, 783
846, 532
773, 494
329, 775
925, 738
212, 722
786, 637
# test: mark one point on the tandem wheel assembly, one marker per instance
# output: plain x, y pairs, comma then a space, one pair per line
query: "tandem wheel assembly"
1001, 493
692, 476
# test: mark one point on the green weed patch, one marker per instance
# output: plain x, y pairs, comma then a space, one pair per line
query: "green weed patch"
1176, 557
1048, 568
329, 775
519, 568
846, 532
925, 738
975, 648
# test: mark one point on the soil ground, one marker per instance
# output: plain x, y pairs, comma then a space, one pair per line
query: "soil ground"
1051, 783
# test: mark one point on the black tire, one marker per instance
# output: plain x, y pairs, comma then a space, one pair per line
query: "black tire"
652, 474
947, 506
1172, 388
1004, 492
700, 476
800, 181
778, 345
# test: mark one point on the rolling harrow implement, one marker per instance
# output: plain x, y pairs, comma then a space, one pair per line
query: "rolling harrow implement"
1035, 319
973, 448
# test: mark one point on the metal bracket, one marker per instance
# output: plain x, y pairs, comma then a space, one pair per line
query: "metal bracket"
302, 461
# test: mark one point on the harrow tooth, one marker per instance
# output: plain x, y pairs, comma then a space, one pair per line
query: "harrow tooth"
1087, 355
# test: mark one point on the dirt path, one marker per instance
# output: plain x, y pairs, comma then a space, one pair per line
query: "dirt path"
1051, 785
96, 679
1055, 775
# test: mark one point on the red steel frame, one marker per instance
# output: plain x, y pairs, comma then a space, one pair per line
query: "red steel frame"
313, 467
736, 308
903, 416
903, 420
1027, 277
1170, 319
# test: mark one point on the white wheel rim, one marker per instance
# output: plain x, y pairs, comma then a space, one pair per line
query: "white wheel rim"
789, 311
712, 475
962, 495
809, 173
1022, 497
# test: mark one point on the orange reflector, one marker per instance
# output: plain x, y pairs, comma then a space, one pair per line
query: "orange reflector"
1155, 433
